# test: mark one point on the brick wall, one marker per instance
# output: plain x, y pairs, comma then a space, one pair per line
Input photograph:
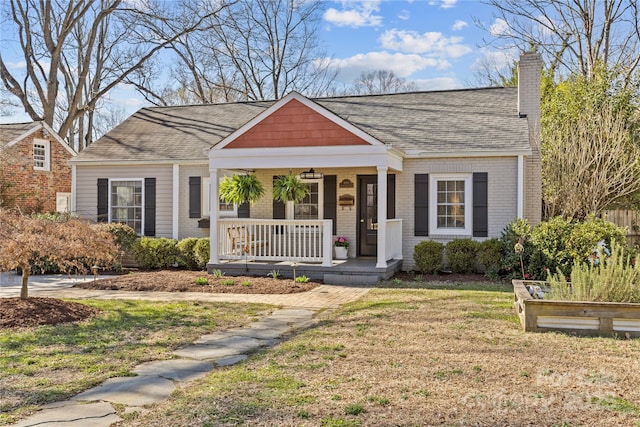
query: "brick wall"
35, 190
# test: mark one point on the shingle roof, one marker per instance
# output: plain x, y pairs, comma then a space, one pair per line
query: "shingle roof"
10, 131
441, 121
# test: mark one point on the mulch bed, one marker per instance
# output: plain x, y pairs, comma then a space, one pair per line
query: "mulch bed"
184, 281
35, 311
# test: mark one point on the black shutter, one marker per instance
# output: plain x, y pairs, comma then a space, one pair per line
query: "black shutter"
331, 200
103, 200
149, 206
391, 197
480, 205
244, 210
279, 209
421, 204
195, 197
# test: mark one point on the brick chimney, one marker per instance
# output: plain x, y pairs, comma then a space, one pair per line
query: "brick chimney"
529, 70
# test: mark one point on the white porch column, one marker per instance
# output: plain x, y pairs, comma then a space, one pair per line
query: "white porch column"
214, 205
520, 189
382, 217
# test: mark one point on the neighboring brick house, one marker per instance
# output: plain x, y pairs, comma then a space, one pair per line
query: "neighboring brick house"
34, 172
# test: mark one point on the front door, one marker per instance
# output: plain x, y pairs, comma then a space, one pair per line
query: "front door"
367, 215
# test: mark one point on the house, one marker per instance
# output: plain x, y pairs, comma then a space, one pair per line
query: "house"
34, 171
387, 171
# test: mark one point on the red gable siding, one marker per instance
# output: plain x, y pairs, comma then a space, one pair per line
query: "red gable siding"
295, 125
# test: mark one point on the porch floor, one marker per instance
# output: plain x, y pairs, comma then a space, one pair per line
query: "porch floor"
352, 271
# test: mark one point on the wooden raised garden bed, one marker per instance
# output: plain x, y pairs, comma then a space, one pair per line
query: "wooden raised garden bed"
575, 317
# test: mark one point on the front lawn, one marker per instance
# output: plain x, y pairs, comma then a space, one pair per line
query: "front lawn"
420, 354
44, 364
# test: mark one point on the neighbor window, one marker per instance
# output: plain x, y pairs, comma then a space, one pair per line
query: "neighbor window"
451, 201
41, 160
127, 203
311, 206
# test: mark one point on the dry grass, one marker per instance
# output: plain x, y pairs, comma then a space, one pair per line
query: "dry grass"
419, 357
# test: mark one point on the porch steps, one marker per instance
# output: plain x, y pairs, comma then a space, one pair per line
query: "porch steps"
354, 271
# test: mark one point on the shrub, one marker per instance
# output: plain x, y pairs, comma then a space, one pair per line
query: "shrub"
550, 237
611, 279
202, 252
585, 236
461, 255
123, 235
201, 281
428, 256
155, 252
490, 255
302, 279
186, 255
518, 230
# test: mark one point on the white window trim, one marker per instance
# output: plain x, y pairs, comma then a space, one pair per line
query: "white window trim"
320, 195
141, 180
433, 204
47, 154
206, 205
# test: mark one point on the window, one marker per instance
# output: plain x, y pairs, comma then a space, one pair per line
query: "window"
451, 199
41, 155
311, 206
224, 209
126, 203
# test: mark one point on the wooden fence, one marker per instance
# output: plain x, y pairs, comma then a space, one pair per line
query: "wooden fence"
629, 219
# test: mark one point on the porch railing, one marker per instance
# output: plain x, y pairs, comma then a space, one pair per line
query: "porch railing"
393, 240
275, 240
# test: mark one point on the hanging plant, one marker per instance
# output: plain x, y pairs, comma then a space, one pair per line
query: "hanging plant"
289, 188
239, 189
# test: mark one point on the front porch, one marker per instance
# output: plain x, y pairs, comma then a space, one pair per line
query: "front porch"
352, 271
258, 246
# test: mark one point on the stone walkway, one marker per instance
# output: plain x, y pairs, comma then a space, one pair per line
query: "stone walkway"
155, 381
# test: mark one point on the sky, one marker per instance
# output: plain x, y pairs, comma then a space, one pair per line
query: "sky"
434, 43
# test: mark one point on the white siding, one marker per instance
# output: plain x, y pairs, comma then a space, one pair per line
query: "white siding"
502, 195
87, 190
188, 227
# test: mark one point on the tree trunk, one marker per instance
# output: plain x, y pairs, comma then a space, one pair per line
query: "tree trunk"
24, 291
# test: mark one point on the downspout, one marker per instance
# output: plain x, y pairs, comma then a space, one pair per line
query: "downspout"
520, 190
175, 215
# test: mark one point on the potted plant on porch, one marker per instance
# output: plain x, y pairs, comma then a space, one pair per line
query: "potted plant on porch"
341, 247
289, 189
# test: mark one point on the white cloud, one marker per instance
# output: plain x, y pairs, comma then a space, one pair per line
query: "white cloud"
355, 14
459, 25
499, 28
403, 65
495, 60
404, 14
444, 4
20, 65
439, 83
429, 42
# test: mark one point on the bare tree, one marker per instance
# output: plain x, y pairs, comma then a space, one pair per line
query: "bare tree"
252, 50
380, 82
77, 51
590, 162
572, 35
